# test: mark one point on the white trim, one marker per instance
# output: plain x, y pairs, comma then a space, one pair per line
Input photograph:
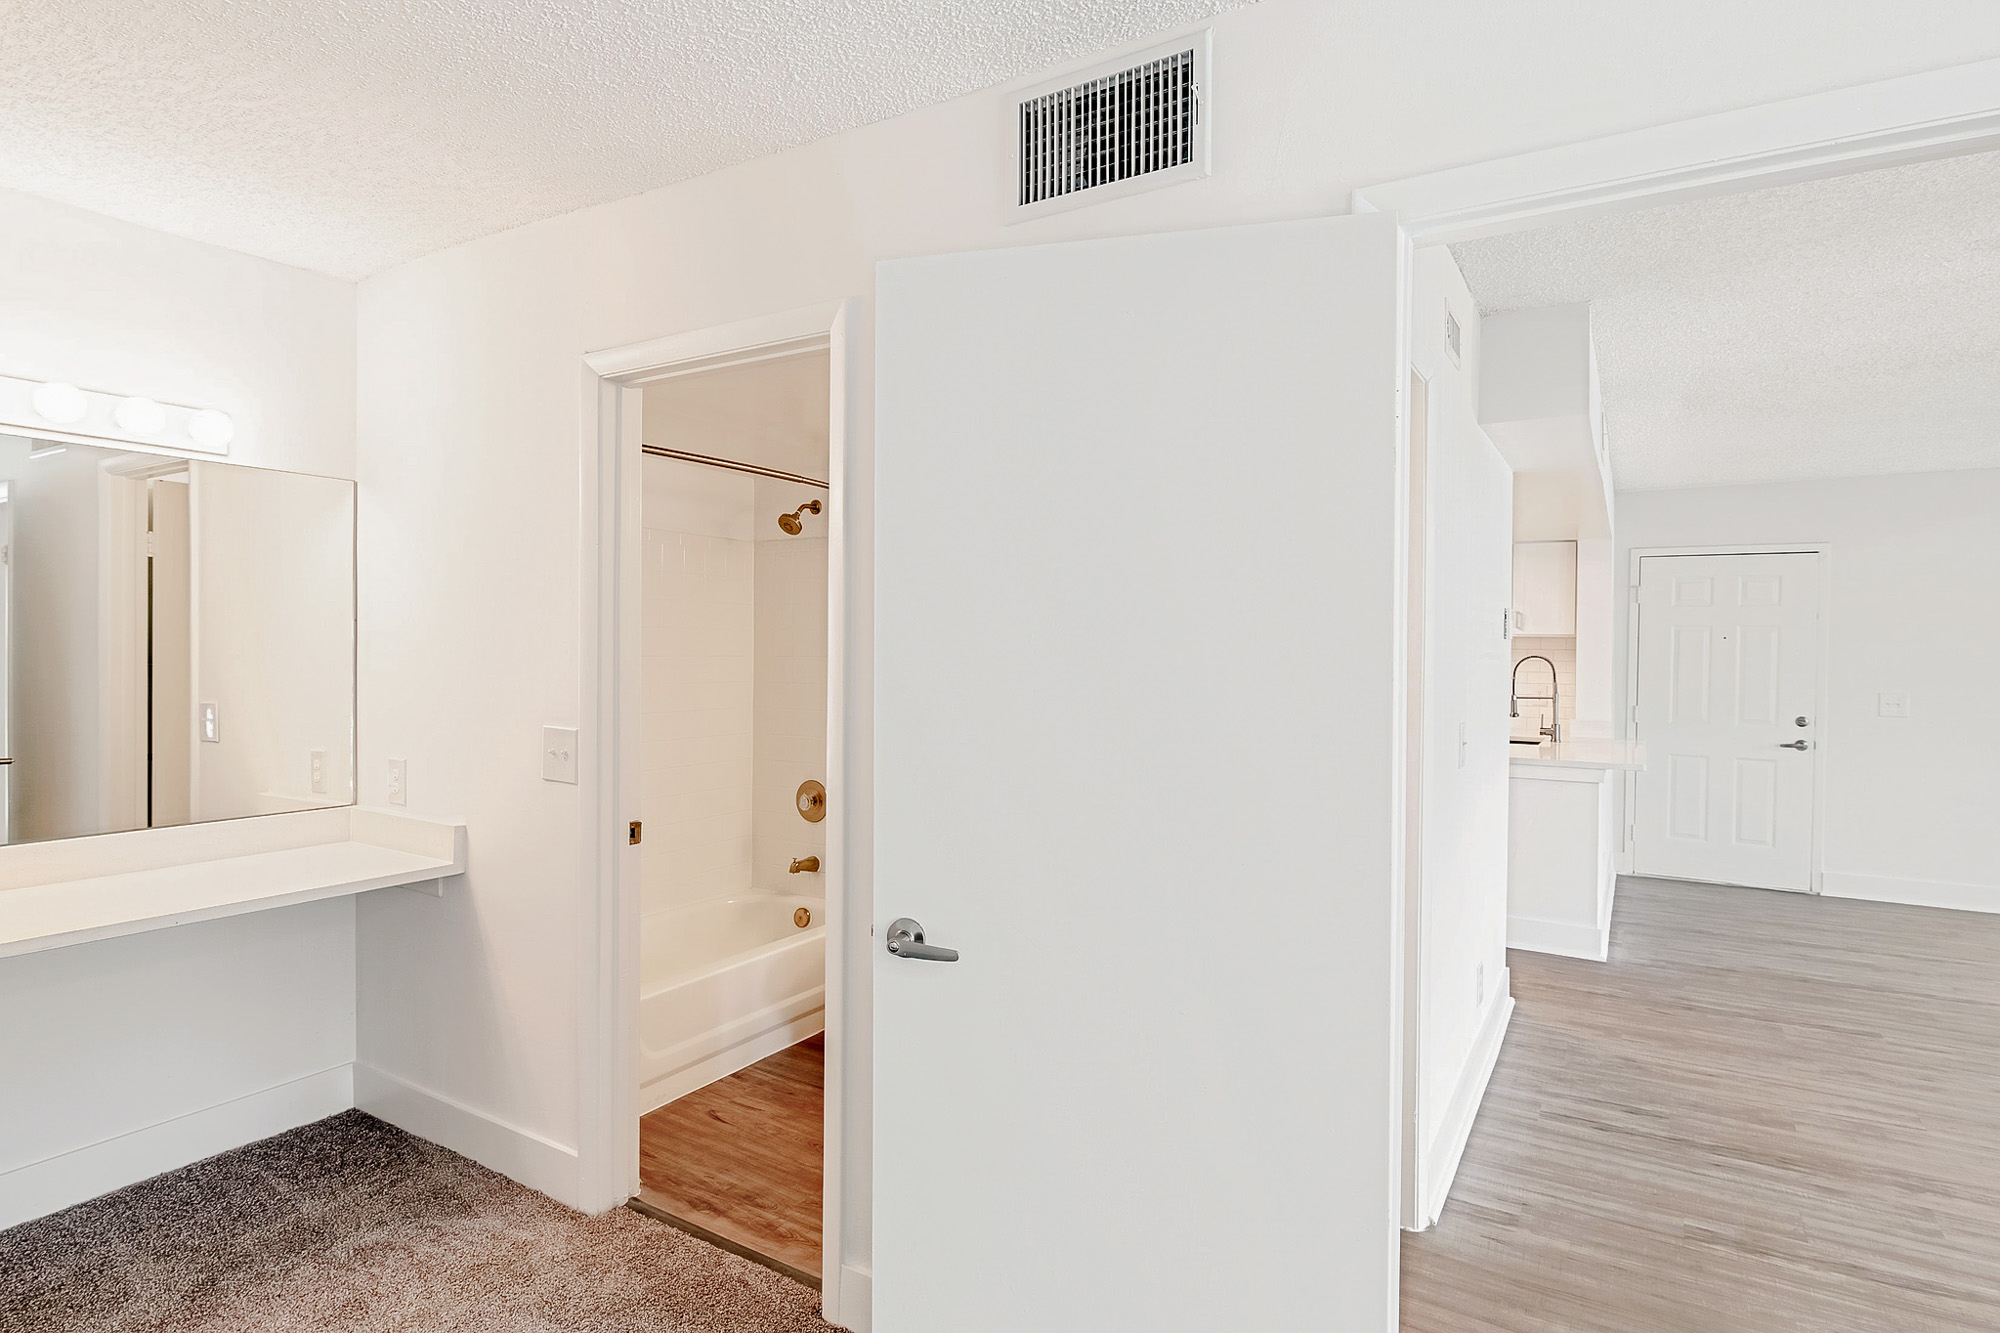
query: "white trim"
1565, 939
536, 1161
1822, 685
1447, 1146
59, 1181
1912, 892
857, 1297
1940, 113
608, 964
1415, 672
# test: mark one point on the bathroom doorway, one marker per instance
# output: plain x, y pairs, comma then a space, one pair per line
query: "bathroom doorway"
731, 736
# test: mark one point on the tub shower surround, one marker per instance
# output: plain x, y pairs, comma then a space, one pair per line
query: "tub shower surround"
732, 936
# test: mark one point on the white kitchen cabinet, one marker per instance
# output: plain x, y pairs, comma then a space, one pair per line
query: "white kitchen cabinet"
1545, 588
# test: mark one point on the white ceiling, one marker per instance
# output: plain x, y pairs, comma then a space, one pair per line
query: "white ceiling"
1847, 327
352, 136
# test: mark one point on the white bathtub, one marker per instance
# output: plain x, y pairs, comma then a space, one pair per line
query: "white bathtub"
725, 983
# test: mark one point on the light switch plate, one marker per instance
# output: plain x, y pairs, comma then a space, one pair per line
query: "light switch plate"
211, 723
1892, 705
399, 782
559, 754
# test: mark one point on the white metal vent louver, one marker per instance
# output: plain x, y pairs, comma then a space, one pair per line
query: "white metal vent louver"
1128, 128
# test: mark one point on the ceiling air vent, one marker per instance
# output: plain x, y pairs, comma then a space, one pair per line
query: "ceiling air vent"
1131, 126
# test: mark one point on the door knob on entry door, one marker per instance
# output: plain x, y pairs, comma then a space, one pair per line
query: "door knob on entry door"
906, 940
1793, 745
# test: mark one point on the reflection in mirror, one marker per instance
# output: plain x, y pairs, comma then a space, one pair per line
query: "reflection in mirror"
176, 641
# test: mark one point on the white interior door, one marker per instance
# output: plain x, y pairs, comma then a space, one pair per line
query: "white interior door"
1138, 747
1729, 713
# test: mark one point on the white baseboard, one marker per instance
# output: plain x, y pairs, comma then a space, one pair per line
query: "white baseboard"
1568, 939
856, 1300
519, 1154
54, 1183
1912, 892
1448, 1144
691, 1078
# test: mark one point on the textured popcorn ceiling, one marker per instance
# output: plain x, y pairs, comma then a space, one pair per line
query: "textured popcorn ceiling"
1847, 327
349, 135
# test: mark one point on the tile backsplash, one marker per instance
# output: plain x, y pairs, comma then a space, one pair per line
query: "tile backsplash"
1534, 679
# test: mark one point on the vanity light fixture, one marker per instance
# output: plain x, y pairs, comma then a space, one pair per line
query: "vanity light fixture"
211, 429
60, 412
140, 416
60, 403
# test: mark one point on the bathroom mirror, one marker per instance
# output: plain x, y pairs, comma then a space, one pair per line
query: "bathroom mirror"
176, 641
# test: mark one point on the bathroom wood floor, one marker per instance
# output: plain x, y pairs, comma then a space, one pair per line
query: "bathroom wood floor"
1766, 1112
743, 1157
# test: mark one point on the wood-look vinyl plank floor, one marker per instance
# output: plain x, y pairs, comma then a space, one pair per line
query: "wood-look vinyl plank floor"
1767, 1112
743, 1157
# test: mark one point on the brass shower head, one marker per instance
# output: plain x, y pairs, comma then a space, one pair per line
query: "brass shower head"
790, 522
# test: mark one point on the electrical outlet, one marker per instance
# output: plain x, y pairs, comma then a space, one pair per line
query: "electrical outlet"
399, 782
1479, 984
319, 772
1464, 746
211, 723
559, 754
1892, 705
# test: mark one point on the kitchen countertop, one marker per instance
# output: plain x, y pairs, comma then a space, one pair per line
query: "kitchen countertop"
1609, 755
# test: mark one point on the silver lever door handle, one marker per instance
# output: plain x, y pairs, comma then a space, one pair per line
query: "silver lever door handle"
906, 940
1793, 745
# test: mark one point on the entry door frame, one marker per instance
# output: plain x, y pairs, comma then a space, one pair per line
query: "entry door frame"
610, 707
1821, 677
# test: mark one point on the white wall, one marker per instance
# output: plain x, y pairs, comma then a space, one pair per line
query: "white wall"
470, 409
698, 655
147, 1052
791, 683
1908, 805
1465, 793
273, 616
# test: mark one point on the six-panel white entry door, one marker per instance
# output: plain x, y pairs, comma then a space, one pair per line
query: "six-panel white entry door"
1728, 712
1136, 764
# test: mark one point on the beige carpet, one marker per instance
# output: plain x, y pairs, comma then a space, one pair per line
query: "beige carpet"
350, 1224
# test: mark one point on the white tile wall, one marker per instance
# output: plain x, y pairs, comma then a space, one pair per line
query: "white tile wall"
790, 703
734, 661
1535, 680
698, 659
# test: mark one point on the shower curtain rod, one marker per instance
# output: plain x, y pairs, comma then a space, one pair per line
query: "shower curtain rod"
661, 451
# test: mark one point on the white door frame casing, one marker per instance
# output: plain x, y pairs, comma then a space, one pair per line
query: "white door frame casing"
1822, 732
1918, 117
609, 678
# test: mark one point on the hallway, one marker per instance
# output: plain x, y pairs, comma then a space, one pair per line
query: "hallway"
1766, 1112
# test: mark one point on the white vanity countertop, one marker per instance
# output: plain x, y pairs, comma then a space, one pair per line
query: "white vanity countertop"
57, 894
1608, 755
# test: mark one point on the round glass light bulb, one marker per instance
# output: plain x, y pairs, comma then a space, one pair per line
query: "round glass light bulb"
140, 416
211, 429
60, 403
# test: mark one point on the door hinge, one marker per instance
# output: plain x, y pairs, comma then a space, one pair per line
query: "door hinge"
632, 835
152, 545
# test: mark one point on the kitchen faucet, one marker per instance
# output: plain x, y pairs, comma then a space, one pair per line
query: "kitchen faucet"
1554, 729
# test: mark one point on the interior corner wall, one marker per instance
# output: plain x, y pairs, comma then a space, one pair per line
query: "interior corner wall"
147, 1052
1908, 805
471, 385
1470, 520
